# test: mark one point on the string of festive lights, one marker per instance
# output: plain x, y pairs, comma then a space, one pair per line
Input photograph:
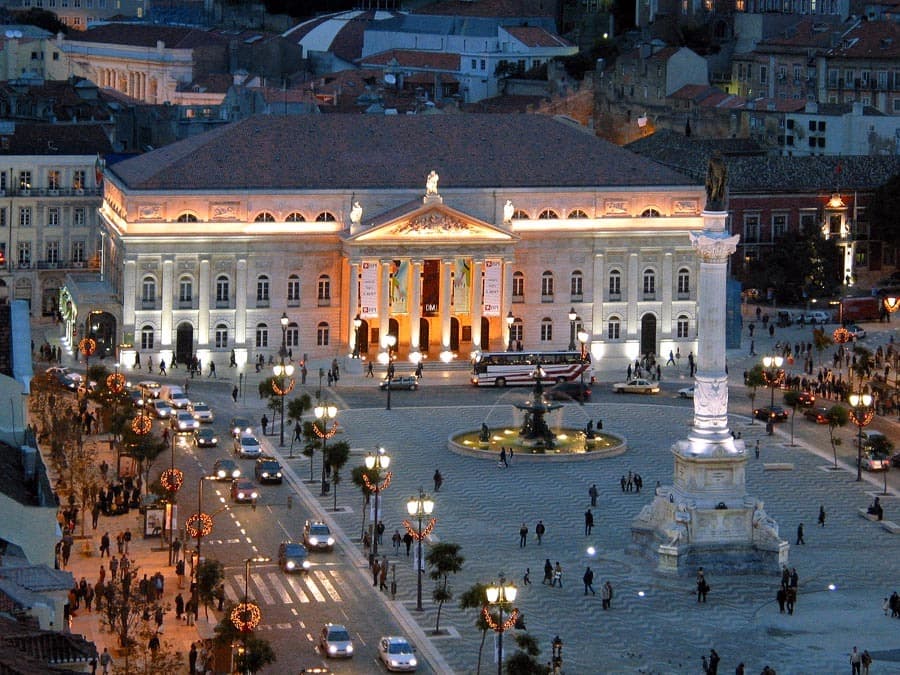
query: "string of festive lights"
287, 389
863, 418
87, 346
384, 485
115, 383
245, 616
493, 625
141, 425
199, 525
172, 479
841, 335
328, 433
425, 531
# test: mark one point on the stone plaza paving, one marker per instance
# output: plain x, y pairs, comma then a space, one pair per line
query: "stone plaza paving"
656, 624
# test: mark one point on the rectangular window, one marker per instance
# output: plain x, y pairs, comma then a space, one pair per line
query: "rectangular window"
292, 336
78, 217
547, 285
221, 337
3, 217
779, 225
546, 332
52, 252
185, 290
24, 253
78, 251
615, 284
53, 179
24, 180
293, 292
322, 335
612, 330
262, 290
324, 290
146, 339
518, 286
483, 64
25, 216
262, 337
53, 217
649, 283
763, 74
809, 220
474, 64
78, 179
577, 283
751, 229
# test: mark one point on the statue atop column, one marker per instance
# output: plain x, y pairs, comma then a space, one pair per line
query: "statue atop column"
431, 183
716, 178
356, 213
508, 211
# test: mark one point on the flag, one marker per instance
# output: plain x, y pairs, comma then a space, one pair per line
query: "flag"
98, 170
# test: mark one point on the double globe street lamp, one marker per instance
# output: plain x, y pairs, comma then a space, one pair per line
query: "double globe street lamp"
572, 318
861, 414
376, 461
419, 507
773, 375
500, 595
283, 383
324, 412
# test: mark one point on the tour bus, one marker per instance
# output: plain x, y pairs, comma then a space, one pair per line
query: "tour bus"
503, 369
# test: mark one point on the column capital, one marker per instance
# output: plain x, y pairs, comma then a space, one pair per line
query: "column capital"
714, 246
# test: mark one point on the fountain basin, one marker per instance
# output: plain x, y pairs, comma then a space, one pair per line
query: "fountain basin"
570, 445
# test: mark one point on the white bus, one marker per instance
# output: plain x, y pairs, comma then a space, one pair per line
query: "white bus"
507, 369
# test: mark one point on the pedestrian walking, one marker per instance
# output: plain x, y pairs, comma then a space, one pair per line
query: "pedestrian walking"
523, 535
526, 581
212, 370
557, 575
376, 568
593, 493
106, 661
503, 461
383, 572
179, 606
264, 423
757, 449
821, 516
855, 661
588, 580
234, 394
548, 573
162, 367
539, 531
606, 594
396, 540
702, 586
800, 535
370, 370
866, 660
588, 522
713, 662
438, 480
407, 541
192, 659
104, 544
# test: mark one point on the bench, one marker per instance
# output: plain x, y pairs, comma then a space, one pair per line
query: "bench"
778, 466
891, 526
864, 512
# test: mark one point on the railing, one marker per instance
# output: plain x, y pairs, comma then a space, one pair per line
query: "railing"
51, 192
292, 302
324, 302
262, 303
546, 298
518, 298
223, 304
615, 297
577, 297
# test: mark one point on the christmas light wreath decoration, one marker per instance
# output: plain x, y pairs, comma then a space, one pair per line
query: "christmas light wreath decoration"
283, 392
87, 346
863, 420
328, 433
245, 616
425, 531
199, 525
172, 479
116, 383
384, 485
489, 620
841, 335
141, 425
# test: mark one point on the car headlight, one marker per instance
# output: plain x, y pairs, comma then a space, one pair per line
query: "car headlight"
240, 495
213, 440
236, 473
221, 473
330, 541
265, 474
290, 564
314, 541
412, 661
253, 495
306, 564
278, 475
349, 649
332, 649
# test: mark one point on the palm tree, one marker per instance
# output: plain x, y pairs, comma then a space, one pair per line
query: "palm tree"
821, 341
357, 478
838, 416
338, 454
755, 379
792, 400
476, 598
296, 408
443, 559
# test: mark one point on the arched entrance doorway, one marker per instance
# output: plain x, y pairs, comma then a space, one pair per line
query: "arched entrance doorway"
50, 297
485, 345
102, 327
454, 334
648, 334
363, 336
184, 342
394, 329
424, 335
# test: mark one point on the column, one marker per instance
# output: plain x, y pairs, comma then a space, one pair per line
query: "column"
446, 288
633, 293
353, 306
667, 280
476, 303
415, 307
203, 295
598, 291
506, 304
129, 296
240, 304
168, 295
384, 307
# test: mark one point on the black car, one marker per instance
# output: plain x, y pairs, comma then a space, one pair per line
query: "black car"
806, 398
819, 414
293, 557
240, 425
268, 470
771, 413
569, 391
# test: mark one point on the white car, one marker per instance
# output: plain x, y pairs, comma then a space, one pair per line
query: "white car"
202, 413
687, 392
179, 400
817, 317
161, 409
150, 388
184, 421
872, 463
397, 654
247, 445
856, 332
637, 385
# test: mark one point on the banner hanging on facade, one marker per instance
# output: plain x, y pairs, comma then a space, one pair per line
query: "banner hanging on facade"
493, 285
368, 290
399, 286
431, 287
462, 285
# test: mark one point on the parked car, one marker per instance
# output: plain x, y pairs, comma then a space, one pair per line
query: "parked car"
895, 459
202, 412
856, 332
687, 392
317, 536
773, 413
819, 414
409, 382
636, 386
334, 641
226, 469
161, 409
817, 317
871, 462
240, 425
206, 438
183, 420
247, 445
243, 490
569, 391
293, 557
175, 396
397, 654
268, 470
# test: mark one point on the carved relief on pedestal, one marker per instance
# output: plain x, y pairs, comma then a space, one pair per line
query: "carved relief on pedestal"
711, 397
714, 246
224, 211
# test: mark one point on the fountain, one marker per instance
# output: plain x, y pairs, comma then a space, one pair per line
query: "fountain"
534, 432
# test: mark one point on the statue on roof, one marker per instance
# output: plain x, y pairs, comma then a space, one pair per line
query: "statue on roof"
431, 183
716, 177
508, 211
356, 213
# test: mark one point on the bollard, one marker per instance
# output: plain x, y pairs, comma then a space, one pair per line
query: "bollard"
290, 502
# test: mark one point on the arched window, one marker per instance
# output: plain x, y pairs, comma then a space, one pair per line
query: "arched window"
264, 217
516, 331
650, 213
262, 335
223, 289
187, 218
221, 336
612, 328
683, 326
684, 281
518, 287
292, 334
649, 283
185, 289
293, 291
615, 285
322, 334
323, 291
548, 214
326, 217
547, 287
546, 330
295, 217
519, 214
148, 289
262, 289
147, 337
576, 286
577, 213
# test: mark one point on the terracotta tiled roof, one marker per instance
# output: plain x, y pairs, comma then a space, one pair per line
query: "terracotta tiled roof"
55, 139
775, 104
147, 35
490, 8
810, 32
870, 40
415, 59
504, 104
51, 648
535, 36
314, 152
213, 83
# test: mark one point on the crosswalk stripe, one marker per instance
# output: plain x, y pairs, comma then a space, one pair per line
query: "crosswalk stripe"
275, 580
263, 590
313, 589
233, 594
326, 584
293, 583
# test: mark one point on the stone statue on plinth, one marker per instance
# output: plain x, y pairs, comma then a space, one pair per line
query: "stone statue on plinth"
431, 183
356, 213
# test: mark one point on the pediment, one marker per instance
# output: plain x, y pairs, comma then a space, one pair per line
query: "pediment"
432, 223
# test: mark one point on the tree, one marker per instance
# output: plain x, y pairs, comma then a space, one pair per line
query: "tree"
256, 653
838, 416
792, 400
358, 476
210, 574
755, 379
443, 559
821, 341
863, 362
146, 661
312, 442
524, 660
476, 598
296, 408
882, 212
881, 447
337, 455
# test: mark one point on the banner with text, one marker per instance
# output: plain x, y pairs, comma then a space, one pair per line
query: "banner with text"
368, 290
493, 287
431, 287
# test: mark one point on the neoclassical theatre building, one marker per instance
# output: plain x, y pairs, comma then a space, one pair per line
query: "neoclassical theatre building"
452, 233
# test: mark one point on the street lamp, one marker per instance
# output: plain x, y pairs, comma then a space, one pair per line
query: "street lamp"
357, 322
378, 460
861, 414
324, 412
510, 320
390, 341
500, 595
199, 525
582, 340
773, 374
246, 615
283, 372
572, 317
419, 506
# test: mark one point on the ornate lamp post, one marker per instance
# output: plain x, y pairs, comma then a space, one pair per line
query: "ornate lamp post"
500, 595
324, 412
378, 460
87, 346
582, 340
419, 507
357, 322
172, 479
246, 615
199, 525
773, 374
283, 372
390, 341
510, 320
861, 414
572, 317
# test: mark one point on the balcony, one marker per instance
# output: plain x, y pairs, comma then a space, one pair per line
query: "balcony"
293, 302
517, 299
577, 297
185, 304
547, 299
223, 304
615, 297
262, 302
681, 295
324, 302
148, 303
